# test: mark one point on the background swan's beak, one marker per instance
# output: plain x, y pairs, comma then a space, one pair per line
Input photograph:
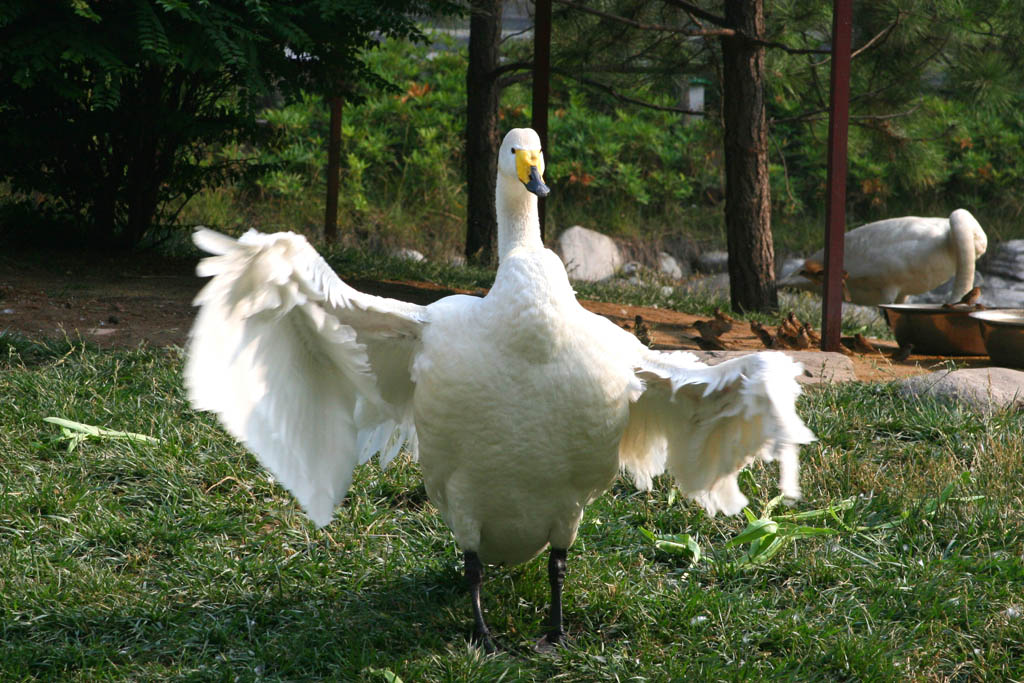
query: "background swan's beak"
536, 183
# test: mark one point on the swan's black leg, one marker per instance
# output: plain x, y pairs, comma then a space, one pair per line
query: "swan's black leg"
475, 578
556, 576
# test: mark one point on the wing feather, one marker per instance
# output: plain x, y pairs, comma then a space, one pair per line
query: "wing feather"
705, 424
310, 374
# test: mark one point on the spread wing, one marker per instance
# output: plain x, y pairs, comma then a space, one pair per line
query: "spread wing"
704, 424
310, 374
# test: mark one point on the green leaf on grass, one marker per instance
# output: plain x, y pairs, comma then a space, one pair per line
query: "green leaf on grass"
676, 544
755, 530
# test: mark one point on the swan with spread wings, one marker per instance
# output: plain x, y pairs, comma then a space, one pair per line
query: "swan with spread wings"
521, 405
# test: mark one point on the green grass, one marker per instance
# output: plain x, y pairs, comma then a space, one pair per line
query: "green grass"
129, 561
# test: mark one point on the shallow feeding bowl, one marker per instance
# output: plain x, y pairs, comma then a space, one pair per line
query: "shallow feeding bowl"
935, 329
1003, 332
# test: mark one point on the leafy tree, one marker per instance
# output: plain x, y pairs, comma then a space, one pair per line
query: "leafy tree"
108, 108
679, 37
935, 108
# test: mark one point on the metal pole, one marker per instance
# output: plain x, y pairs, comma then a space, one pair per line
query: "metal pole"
333, 170
835, 200
541, 80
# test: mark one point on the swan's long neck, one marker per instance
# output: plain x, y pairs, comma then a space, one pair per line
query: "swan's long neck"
518, 221
968, 242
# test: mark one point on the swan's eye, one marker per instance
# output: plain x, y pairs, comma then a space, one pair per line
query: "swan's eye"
514, 150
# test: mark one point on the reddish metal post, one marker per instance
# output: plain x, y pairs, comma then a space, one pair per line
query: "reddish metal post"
541, 80
835, 200
333, 166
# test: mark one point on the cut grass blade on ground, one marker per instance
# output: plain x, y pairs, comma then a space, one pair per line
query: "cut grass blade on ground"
76, 433
766, 535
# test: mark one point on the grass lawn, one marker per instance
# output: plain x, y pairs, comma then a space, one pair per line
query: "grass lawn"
125, 560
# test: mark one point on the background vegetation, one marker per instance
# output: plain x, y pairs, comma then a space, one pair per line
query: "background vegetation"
624, 170
110, 108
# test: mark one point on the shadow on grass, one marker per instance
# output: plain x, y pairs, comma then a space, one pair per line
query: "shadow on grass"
293, 634
17, 349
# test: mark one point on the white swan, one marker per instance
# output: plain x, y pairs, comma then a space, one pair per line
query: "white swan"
521, 405
889, 260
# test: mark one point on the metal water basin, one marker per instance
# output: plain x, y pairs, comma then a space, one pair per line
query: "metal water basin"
1002, 330
935, 329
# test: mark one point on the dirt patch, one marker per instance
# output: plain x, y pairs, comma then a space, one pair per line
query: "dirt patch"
122, 301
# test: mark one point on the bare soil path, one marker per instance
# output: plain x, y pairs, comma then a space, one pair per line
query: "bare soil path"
118, 301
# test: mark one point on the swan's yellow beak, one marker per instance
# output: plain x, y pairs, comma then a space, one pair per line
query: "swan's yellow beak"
530, 168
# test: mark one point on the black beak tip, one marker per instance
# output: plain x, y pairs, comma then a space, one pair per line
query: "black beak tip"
538, 188
536, 185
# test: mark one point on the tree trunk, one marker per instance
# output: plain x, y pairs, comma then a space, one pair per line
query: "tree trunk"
747, 189
333, 172
146, 168
482, 128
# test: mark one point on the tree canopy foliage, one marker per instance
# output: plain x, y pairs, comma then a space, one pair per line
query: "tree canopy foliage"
936, 103
107, 106
927, 75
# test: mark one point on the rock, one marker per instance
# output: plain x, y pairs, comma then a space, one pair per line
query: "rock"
857, 315
819, 366
1003, 268
981, 389
710, 285
713, 262
408, 254
999, 292
588, 255
668, 266
630, 269
1006, 260
789, 267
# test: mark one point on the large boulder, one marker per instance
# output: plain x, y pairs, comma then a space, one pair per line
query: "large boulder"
1005, 260
588, 255
981, 389
1003, 268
